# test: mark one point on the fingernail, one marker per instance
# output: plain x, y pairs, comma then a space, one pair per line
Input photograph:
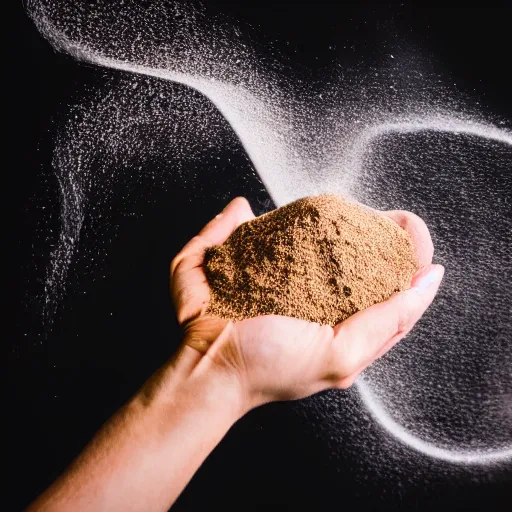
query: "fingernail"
432, 276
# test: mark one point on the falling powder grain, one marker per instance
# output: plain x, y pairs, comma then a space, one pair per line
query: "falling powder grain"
320, 259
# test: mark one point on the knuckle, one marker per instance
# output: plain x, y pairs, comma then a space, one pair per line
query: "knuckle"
403, 316
408, 312
408, 219
240, 201
352, 362
349, 359
175, 263
196, 242
346, 382
184, 316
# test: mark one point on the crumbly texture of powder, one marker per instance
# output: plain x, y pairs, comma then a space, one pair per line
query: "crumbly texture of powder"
320, 259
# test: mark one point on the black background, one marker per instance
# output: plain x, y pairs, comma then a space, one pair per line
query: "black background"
62, 389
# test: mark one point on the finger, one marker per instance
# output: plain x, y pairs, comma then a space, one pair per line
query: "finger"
363, 337
215, 232
189, 289
418, 231
218, 230
348, 381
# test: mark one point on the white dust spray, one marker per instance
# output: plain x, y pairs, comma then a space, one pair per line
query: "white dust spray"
305, 138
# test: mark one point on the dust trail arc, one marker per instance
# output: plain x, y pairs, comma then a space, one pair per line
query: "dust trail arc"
355, 158
232, 101
362, 141
382, 416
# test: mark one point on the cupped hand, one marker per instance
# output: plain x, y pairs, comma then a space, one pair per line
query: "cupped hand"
277, 357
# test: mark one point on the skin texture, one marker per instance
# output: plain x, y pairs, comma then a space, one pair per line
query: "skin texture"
149, 450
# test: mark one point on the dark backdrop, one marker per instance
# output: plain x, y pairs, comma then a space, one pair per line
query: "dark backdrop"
111, 333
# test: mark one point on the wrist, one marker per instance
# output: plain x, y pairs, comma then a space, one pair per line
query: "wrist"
190, 381
215, 344
219, 389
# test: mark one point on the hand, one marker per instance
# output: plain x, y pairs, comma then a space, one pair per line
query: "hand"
278, 357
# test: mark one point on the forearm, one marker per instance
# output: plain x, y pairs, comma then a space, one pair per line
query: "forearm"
147, 453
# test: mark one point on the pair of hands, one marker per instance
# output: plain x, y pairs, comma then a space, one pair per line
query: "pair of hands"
280, 358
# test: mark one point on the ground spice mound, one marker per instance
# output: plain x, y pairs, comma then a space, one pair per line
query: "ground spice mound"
320, 258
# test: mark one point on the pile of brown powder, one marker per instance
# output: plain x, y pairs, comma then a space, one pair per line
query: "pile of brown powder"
320, 258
